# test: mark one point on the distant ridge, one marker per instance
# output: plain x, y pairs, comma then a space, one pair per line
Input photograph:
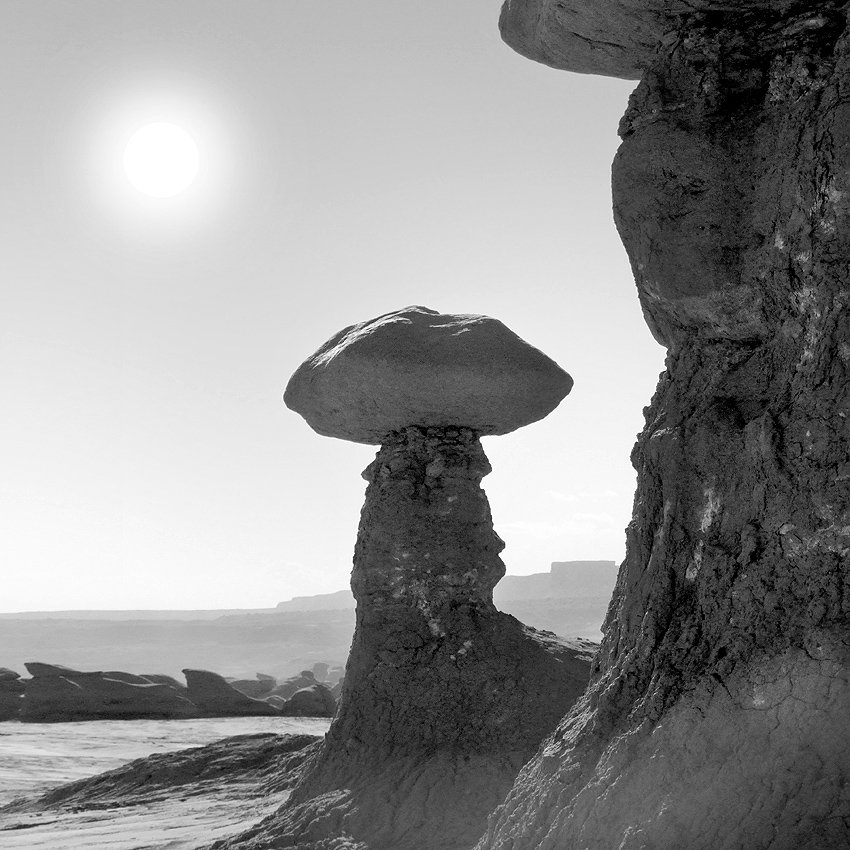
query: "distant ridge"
572, 579
570, 600
135, 614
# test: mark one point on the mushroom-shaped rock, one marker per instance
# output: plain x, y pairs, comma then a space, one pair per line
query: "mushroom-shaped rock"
420, 367
444, 697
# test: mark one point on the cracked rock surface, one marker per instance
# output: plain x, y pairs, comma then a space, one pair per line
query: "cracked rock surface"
444, 697
715, 710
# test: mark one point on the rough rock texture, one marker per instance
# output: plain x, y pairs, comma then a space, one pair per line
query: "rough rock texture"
57, 694
717, 712
420, 367
215, 697
444, 697
165, 800
276, 760
621, 38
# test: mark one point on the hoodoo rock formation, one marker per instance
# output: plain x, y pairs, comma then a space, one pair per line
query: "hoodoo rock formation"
717, 712
444, 697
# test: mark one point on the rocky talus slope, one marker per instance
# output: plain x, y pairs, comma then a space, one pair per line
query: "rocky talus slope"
717, 712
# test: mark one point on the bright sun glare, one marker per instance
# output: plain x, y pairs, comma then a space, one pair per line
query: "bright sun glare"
161, 160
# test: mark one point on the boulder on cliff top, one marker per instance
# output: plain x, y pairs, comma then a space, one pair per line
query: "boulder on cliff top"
419, 367
612, 37
7, 675
216, 697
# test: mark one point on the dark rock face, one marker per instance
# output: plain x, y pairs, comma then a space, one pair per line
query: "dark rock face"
57, 694
215, 697
715, 712
12, 688
616, 38
444, 697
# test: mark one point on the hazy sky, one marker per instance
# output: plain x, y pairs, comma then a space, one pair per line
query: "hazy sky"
355, 158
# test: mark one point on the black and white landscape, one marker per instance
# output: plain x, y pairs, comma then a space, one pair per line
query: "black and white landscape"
409, 226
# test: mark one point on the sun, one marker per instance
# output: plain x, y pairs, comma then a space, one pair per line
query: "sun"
161, 160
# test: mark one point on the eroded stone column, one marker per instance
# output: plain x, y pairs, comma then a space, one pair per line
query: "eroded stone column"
717, 712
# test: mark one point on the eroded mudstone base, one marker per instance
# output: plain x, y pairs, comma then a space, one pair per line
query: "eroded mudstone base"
760, 760
445, 697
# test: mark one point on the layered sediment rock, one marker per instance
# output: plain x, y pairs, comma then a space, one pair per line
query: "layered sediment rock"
717, 711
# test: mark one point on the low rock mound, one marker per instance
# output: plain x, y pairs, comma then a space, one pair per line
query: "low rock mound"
215, 697
273, 761
313, 701
58, 693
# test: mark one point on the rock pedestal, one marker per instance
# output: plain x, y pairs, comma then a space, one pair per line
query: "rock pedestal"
717, 712
444, 697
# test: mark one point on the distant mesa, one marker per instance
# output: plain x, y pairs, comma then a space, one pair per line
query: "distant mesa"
417, 366
566, 579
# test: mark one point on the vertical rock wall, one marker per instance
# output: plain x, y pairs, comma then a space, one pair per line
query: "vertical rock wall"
717, 712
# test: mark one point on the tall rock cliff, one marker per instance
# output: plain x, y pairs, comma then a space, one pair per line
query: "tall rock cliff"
717, 711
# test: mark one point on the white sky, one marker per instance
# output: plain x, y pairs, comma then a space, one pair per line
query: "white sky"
355, 158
